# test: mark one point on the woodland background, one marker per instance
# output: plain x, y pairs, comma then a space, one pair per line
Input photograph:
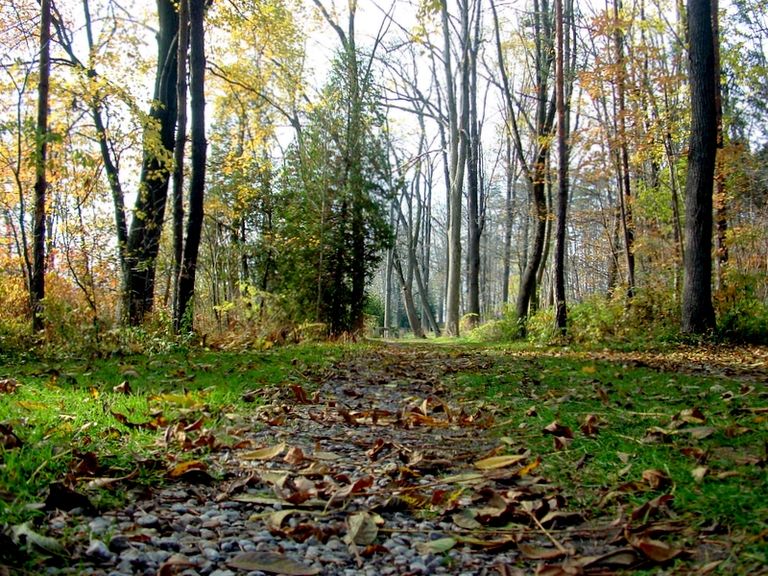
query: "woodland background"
403, 164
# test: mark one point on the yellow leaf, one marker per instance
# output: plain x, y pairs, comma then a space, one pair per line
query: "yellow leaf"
589, 369
185, 467
498, 462
31, 405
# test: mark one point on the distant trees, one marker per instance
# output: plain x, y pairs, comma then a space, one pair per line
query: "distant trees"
472, 145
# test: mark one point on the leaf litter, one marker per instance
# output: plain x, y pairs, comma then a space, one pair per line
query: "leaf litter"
385, 435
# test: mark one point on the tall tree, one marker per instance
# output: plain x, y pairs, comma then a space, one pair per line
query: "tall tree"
149, 210
535, 170
561, 312
458, 126
197, 179
178, 153
37, 285
698, 315
475, 192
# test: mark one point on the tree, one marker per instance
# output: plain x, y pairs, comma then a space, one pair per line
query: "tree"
188, 269
143, 242
37, 283
698, 314
561, 312
535, 170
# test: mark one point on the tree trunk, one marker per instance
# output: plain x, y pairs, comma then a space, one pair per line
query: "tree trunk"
698, 316
198, 156
37, 284
181, 138
149, 211
474, 189
561, 314
458, 125
625, 196
406, 285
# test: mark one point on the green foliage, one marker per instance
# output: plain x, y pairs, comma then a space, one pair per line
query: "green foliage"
742, 314
334, 191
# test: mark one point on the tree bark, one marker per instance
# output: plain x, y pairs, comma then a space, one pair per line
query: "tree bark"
561, 313
698, 316
198, 158
37, 283
149, 210
458, 126
721, 212
178, 155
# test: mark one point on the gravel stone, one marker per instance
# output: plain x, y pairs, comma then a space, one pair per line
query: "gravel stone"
148, 521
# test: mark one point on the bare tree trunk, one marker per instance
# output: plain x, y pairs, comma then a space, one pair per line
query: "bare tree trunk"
406, 285
37, 284
198, 157
561, 314
149, 211
458, 159
698, 315
181, 138
474, 187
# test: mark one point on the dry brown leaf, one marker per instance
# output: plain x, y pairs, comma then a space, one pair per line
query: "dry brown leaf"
361, 529
294, 457
699, 473
536, 553
656, 479
654, 549
168, 568
124, 388
9, 385
272, 563
557, 429
267, 453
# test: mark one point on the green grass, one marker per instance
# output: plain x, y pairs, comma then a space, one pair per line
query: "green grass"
64, 410
562, 388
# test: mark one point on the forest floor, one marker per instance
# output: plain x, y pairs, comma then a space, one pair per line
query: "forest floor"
387, 458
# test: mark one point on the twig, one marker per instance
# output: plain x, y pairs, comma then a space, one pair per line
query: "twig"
44, 464
548, 535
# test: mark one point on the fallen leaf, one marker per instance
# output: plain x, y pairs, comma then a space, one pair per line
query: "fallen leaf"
536, 553
267, 453
294, 457
655, 550
439, 546
691, 415
22, 533
272, 563
699, 432
557, 429
180, 469
9, 385
624, 558
167, 567
656, 479
124, 388
361, 529
699, 473
466, 519
496, 462
589, 369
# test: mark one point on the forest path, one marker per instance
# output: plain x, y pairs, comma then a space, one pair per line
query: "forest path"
442, 459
